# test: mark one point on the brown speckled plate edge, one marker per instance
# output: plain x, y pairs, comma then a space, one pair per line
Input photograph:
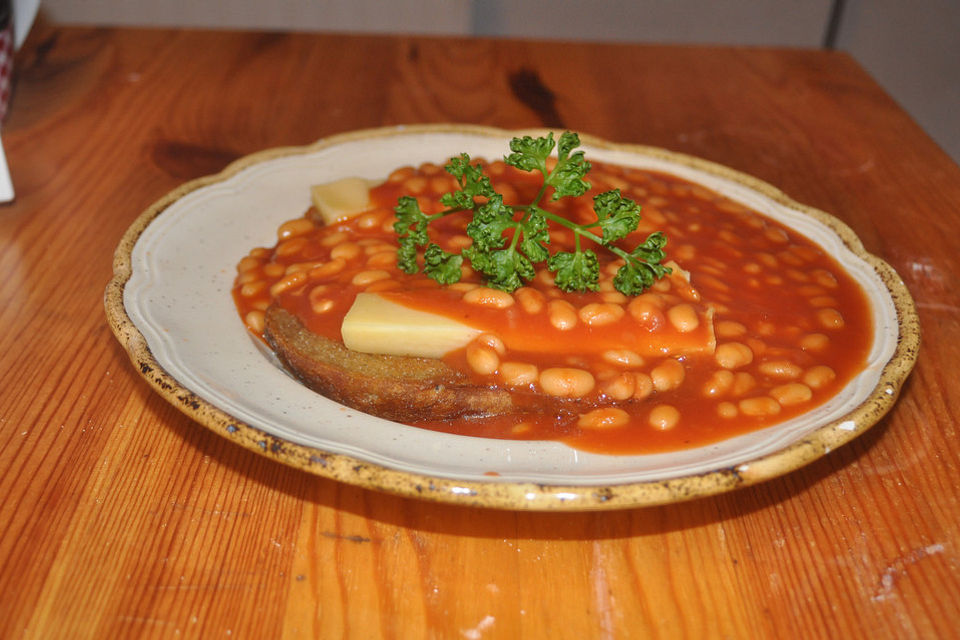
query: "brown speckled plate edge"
514, 495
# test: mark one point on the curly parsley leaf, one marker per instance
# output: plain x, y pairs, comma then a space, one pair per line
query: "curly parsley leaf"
509, 240
536, 236
575, 271
530, 154
411, 230
617, 216
505, 269
642, 266
442, 266
489, 222
472, 183
567, 178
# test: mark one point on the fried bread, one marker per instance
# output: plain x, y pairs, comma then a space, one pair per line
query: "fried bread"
402, 388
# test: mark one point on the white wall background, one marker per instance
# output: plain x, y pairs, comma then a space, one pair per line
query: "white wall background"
911, 48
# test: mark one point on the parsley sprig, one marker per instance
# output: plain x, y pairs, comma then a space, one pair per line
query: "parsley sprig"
507, 259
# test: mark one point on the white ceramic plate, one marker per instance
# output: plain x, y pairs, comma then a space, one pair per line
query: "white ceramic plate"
170, 305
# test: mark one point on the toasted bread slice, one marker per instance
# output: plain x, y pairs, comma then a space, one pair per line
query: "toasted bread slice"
401, 388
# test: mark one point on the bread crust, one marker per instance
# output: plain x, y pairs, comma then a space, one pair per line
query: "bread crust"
401, 388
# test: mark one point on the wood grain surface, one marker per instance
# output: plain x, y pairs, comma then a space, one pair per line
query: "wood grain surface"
120, 518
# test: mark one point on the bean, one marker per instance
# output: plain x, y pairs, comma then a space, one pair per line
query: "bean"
562, 315
288, 282
775, 234
508, 192
759, 406
545, 277
255, 320
702, 193
667, 375
613, 267
566, 382
370, 220
247, 276
291, 247
604, 418
382, 259
623, 357
493, 341
791, 393
372, 248
819, 376
487, 297
415, 185
830, 318
743, 382
643, 385
328, 269
662, 285
730, 329
646, 313
482, 359
321, 305
792, 259
622, 387
301, 266
251, 289
766, 329
814, 342
683, 318
780, 369
363, 278
727, 410
248, 263
685, 252
719, 384
531, 300
605, 285
293, 228
346, 250
824, 278
459, 242
732, 355
768, 259
442, 184
686, 291
664, 417
274, 270
823, 301
463, 286
519, 374
334, 239
598, 314
614, 297
401, 174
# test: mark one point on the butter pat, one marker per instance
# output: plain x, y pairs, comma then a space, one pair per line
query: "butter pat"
342, 199
377, 325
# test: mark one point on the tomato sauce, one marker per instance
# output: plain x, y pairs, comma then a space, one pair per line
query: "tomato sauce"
756, 324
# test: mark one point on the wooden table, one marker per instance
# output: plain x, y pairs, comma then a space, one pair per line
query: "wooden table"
122, 518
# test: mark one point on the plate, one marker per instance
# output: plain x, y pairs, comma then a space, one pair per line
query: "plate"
170, 306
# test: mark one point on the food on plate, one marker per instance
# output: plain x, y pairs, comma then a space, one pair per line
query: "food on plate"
541, 297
